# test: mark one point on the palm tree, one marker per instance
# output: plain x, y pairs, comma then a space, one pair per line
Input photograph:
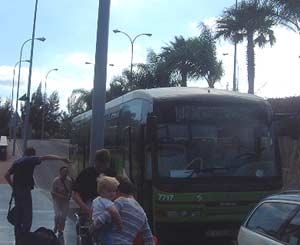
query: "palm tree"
251, 20
193, 58
154, 73
288, 12
177, 56
210, 68
119, 85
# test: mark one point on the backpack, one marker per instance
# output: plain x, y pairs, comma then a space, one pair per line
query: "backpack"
42, 236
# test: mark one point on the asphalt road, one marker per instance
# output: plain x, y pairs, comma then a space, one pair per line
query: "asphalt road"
48, 170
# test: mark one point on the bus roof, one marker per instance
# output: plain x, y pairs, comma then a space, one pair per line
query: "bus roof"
178, 93
182, 93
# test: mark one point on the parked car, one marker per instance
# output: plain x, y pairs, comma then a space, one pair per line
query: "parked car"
274, 221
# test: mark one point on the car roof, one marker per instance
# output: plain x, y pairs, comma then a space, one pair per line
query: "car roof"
290, 195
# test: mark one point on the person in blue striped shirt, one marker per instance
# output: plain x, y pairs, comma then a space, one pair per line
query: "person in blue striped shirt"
134, 218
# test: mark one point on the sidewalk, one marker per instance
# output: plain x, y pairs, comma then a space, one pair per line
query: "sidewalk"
42, 209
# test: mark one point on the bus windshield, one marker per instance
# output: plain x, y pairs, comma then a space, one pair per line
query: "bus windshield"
241, 147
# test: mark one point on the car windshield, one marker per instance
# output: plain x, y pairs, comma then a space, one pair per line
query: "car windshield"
199, 150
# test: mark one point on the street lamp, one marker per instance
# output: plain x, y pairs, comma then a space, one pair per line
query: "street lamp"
45, 97
13, 81
41, 39
132, 40
91, 63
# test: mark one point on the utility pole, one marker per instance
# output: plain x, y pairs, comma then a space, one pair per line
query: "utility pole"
99, 91
27, 111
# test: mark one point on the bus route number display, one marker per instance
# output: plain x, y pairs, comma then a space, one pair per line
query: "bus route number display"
210, 113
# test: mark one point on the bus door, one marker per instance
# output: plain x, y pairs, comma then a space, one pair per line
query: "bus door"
150, 154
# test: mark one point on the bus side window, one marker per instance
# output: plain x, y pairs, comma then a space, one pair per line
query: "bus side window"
129, 119
148, 168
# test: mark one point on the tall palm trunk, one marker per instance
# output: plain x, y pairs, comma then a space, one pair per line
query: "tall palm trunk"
183, 78
250, 61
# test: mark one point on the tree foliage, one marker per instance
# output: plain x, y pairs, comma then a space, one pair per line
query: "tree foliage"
5, 116
65, 126
79, 101
52, 113
36, 110
288, 12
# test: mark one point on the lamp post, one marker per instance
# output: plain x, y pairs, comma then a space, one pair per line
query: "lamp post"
132, 40
41, 39
26, 123
44, 104
13, 81
12, 94
235, 86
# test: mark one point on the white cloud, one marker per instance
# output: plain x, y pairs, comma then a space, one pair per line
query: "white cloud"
210, 22
116, 3
78, 59
6, 78
121, 60
128, 3
76, 74
193, 28
279, 66
277, 69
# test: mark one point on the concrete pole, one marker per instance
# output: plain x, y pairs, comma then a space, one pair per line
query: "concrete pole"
27, 111
99, 91
235, 57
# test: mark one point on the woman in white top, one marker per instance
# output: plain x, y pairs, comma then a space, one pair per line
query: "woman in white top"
61, 191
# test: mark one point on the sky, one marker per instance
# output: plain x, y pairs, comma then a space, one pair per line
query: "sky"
70, 29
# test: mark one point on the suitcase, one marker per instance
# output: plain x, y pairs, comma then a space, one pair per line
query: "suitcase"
42, 236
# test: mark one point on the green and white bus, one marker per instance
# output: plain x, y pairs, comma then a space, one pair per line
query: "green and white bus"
200, 158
